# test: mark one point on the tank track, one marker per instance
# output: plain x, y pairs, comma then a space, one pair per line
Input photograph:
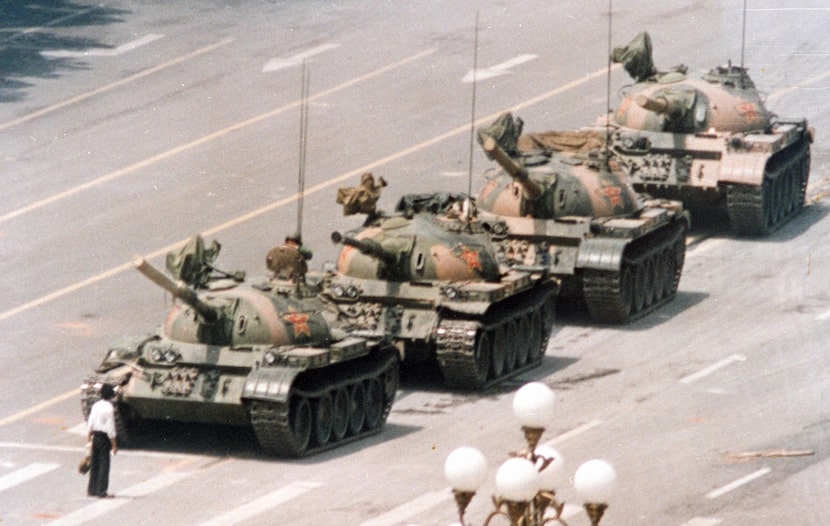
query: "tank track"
648, 279
127, 425
325, 413
759, 210
479, 353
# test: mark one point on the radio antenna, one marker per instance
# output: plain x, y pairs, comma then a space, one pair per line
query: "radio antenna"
472, 123
743, 45
303, 140
608, 94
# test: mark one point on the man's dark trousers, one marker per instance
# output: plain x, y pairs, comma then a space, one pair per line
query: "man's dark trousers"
99, 472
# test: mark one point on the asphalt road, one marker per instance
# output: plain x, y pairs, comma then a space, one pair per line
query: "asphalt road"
126, 127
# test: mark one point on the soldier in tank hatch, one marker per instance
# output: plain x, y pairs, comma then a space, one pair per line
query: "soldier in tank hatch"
288, 261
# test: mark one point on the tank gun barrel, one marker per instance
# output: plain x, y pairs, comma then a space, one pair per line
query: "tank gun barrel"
178, 289
659, 105
531, 189
369, 247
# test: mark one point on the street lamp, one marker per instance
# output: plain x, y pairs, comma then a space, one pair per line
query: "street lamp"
525, 483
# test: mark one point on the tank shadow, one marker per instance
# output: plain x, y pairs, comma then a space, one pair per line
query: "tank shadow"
240, 442
715, 223
577, 315
797, 226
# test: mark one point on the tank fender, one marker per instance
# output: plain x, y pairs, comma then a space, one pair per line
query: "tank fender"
743, 168
601, 254
270, 383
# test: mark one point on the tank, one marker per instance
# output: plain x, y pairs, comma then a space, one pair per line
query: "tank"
427, 276
709, 141
265, 353
619, 252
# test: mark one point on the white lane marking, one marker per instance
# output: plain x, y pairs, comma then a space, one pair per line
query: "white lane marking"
712, 368
499, 69
108, 87
737, 484
262, 504
80, 429
276, 64
103, 52
81, 449
703, 521
23, 474
415, 506
104, 506
823, 316
572, 433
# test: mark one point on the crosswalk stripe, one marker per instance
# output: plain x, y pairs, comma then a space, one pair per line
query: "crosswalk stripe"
406, 511
23, 474
103, 506
262, 504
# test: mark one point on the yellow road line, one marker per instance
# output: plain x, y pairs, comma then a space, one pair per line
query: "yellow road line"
39, 407
112, 86
207, 138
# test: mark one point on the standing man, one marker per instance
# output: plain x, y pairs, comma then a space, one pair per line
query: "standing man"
102, 436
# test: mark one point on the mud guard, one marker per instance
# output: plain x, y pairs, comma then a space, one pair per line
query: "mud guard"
270, 383
601, 254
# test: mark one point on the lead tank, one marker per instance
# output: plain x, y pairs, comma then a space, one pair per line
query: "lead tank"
620, 252
264, 353
709, 141
428, 277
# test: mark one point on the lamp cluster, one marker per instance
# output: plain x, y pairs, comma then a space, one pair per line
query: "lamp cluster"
525, 483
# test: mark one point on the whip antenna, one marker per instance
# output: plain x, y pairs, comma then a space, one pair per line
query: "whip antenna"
472, 121
303, 140
608, 93
743, 45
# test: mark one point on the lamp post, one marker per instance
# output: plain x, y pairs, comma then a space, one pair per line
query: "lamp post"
525, 483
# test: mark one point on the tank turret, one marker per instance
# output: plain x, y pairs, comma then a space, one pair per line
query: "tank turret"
709, 140
264, 353
550, 185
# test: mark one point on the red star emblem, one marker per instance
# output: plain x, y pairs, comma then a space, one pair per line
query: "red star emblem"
489, 187
343, 259
614, 195
471, 257
300, 323
749, 109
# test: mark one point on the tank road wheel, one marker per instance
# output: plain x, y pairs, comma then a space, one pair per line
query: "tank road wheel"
639, 287
536, 341
660, 275
548, 314
357, 409
483, 350
648, 271
301, 423
323, 419
522, 341
499, 353
511, 335
340, 413
374, 403
678, 258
